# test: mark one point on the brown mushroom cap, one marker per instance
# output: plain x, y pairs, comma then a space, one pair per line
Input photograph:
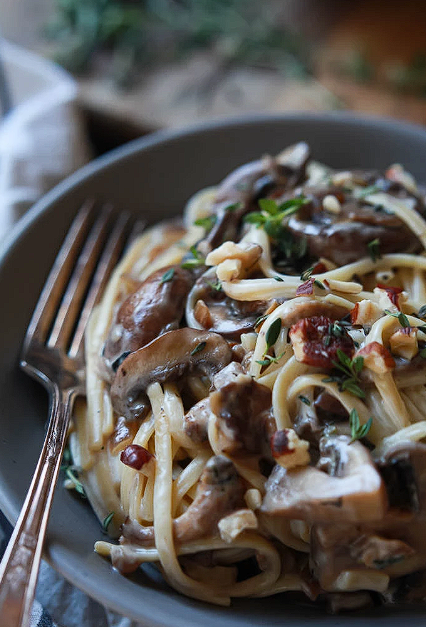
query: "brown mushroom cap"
354, 492
252, 181
220, 313
345, 237
155, 307
167, 358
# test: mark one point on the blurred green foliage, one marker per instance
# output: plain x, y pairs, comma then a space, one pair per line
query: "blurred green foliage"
132, 35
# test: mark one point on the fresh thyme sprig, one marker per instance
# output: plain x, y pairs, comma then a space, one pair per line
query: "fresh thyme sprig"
272, 333
194, 262
272, 214
71, 472
350, 369
200, 347
168, 276
374, 249
215, 286
401, 317
358, 431
107, 521
207, 223
366, 191
304, 400
271, 337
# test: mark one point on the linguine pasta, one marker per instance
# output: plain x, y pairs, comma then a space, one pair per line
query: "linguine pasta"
256, 388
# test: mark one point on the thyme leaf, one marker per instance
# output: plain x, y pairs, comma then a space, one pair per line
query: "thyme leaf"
195, 261
107, 521
374, 249
358, 431
272, 333
401, 317
168, 276
200, 347
304, 400
207, 223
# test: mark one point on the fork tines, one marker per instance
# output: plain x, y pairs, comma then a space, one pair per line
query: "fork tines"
84, 263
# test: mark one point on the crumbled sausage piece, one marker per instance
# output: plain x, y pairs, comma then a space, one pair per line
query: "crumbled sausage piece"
315, 344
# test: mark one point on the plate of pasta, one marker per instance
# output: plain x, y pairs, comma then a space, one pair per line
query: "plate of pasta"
252, 445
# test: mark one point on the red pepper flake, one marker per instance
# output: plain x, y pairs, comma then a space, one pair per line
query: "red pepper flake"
319, 268
316, 344
392, 292
306, 288
135, 456
354, 313
279, 444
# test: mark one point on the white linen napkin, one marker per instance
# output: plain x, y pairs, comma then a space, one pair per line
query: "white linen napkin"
42, 141
42, 138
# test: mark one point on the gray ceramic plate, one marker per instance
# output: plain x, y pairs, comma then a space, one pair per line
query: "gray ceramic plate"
153, 177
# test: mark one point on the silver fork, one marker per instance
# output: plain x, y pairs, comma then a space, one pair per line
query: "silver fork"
53, 354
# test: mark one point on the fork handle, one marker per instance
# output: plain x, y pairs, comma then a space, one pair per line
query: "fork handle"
20, 565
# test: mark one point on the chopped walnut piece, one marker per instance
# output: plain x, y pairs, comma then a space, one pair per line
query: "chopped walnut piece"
390, 297
397, 173
253, 498
404, 342
315, 344
202, 314
229, 270
233, 260
289, 450
232, 525
377, 358
365, 313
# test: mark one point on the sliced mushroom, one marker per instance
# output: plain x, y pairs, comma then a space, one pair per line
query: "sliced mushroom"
209, 308
346, 235
354, 491
167, 358
220, 491
197, 418
243, 420
250, 182
156, 306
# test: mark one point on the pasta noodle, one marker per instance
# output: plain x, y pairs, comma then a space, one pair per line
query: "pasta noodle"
256, 387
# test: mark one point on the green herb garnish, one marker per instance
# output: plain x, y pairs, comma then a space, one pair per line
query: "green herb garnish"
200, 347
358, 431
304, 400
271, 215
401, 317
168, 276
196, 261
70, 472
279, 279
422, 312
306, 274
233, 207
366, 191
107, 521
207, 223
350, 369
272, 333
374, 249
268, 360
319, 284
215, 286
260, 320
